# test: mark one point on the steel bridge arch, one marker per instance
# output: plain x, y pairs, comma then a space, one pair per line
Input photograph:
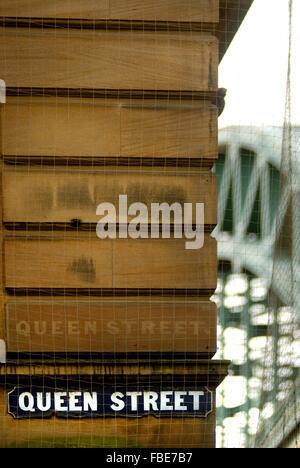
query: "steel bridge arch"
238, 247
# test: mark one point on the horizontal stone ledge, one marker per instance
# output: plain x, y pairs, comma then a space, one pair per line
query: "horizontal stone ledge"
202, 372
77, 225
110, 292
134, 96
117, 161
111, 93
54, 358
108, 24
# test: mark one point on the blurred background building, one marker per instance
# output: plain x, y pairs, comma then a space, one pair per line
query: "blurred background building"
257, 328
259, 230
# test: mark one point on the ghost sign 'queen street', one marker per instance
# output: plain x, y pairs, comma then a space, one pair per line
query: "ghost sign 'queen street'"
96, 402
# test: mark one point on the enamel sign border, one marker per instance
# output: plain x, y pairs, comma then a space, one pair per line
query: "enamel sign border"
110, 402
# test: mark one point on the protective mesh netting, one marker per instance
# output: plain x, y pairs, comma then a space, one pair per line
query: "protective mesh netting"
258, 235
126, 313
280, 404
112, 103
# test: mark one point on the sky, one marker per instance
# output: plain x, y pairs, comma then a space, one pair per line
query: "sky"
254, 69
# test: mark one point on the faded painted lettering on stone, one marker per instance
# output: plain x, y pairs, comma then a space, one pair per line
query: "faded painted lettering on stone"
112, 327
